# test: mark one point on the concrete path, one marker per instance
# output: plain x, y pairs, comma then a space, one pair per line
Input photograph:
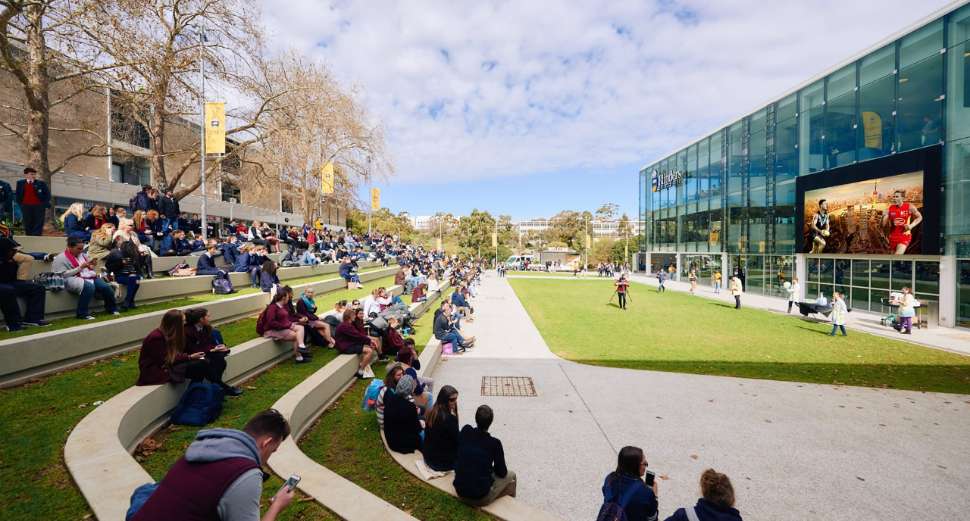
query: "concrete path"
794, 451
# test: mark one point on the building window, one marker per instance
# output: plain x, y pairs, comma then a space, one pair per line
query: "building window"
135, 171
287, 205
920, 83
229, 192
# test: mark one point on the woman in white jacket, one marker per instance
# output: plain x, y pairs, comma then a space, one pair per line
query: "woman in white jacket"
839, 314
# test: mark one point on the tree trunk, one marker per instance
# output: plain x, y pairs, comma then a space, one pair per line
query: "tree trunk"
157, 138
38, 98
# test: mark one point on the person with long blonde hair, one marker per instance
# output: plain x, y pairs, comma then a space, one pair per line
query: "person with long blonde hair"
73, 220
102, 240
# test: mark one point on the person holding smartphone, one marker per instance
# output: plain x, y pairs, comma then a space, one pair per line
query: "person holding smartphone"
202, 338
631, 488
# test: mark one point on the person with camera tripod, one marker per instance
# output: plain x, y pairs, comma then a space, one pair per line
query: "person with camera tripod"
622, 287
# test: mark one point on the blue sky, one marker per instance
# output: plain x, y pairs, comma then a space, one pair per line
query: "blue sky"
528, 108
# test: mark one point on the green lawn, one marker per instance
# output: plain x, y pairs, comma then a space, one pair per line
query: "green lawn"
200, 298
550, 274
676, 332
347, 441
36, 418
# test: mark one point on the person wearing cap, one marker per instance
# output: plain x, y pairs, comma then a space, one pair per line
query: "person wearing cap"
34, 197
12, 288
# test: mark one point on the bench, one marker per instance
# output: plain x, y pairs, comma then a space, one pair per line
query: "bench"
23, 358
98, 449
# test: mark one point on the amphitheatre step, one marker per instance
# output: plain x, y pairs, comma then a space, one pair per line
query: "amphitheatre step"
98, 450
23, 358
302, 405
160, 265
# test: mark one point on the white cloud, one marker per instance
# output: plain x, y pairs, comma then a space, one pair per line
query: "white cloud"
482, 89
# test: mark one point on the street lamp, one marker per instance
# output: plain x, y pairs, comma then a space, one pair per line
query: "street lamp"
205, 217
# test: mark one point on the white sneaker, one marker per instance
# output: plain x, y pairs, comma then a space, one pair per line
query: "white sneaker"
368, 372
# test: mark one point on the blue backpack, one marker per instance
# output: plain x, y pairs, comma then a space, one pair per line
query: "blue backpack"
138, 499
371, 394
200, 405
221, 285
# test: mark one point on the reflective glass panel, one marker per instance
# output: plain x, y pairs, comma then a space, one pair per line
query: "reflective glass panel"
927, 277
902, 275
919, 111
860, 273
963, 298
840, 114
876, 103
879, 274
957, 192
811, 131
859, 299
957, 92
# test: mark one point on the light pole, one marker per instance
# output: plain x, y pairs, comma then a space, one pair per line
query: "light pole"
205, 217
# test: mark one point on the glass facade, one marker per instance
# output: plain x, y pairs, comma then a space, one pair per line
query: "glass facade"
735, 194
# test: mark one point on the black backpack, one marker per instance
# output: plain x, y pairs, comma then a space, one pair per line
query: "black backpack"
615, 510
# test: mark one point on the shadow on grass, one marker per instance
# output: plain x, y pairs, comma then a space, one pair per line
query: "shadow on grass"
932, 378
721, 304
813, 330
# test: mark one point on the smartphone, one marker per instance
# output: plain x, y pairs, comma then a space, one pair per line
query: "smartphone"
648, 478
291, 482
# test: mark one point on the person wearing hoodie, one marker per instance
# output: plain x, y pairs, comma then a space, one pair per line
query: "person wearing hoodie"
626, 489
220, 476
716, 502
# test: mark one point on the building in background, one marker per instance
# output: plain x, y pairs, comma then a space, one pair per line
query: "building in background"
745, 195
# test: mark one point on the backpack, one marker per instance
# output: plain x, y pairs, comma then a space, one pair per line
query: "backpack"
261, 322
371, 394
221, 285
175, 269
138, 499
200, 404
615, 510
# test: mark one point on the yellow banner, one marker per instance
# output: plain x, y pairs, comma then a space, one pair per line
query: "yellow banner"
494, 239
326, 178
215, 127
587, 241
437, 243
375, 199
872, 129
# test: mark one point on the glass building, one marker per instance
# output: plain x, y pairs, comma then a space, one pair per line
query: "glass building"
729, 199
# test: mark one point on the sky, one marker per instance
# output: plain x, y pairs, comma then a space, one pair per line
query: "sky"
526, 108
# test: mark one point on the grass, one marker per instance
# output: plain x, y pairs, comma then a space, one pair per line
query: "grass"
36, 418
676, 332
200, 298
550, 274
346, 440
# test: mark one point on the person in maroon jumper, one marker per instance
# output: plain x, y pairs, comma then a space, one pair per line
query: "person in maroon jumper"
351, 340
162, 349
276, 322
220, 476
201, 337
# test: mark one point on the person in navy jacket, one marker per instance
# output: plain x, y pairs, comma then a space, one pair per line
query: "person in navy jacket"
34, 197
716, 503
207, 261
625, 486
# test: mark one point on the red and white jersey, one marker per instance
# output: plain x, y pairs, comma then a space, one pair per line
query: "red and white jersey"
899, 215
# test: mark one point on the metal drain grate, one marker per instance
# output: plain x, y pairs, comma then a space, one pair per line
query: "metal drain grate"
508, 386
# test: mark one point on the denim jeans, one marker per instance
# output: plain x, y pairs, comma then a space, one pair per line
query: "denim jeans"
90, 287
131, 284
454, 339
835, 327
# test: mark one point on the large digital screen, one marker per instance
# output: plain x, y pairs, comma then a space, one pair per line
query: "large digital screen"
887, 206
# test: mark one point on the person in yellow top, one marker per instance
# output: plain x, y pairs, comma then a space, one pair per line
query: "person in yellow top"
717, 281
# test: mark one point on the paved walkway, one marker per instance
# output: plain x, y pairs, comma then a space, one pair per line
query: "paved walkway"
793, 451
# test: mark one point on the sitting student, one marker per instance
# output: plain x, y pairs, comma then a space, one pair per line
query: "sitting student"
220, 476
306, 308
408, 357
625, 486
96, 219
441, 433
400, 276
480, 473
207, 261
461, 305
403, 429
275, 322
267, 276
348, 273
716, 502
81, 279
420, 293
241, 263
127, 233
11, 288
100, 245
162, 349
392, 342
352, 341
446, 332
175, 244
73, 220
230, 250
394, 374
154, 229
308, 259
201, 337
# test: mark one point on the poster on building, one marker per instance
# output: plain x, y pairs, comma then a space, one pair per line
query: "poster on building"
375, 199
326, 178
215, 127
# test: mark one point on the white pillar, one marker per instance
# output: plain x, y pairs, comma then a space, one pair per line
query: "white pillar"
679, 261
948, 290
802, 273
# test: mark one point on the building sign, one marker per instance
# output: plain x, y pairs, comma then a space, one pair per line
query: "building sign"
215, 127
663, 179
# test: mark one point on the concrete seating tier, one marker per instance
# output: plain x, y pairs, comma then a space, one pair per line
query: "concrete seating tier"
23, 358
98, 450
160, 265
301, 406
61, 303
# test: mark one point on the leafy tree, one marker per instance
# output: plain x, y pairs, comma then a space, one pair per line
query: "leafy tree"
475, 233
607, 212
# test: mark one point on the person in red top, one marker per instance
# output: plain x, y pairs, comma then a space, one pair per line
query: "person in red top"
34, 197
903, 217
162, 349
622, 286
352, 340
275, 322
201, 337
392, 342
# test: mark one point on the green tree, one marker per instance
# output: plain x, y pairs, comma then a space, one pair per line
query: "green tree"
568, 227
475, 234
607, 211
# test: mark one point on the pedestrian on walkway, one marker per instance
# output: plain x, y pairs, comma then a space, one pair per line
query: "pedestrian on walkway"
717, 282
661, 277
839, 312
793, 291
622, 286
907, 310
736, 290
692, 277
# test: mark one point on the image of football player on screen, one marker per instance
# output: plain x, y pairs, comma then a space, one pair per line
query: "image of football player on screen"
820, 227
901, 217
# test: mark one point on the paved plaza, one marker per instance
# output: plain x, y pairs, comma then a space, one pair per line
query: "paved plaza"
791, 449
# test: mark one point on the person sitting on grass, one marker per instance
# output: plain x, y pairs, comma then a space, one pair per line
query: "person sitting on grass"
349, 273
350, 340
481, 476
626, 489
446, 332
441, 432
394, 373
716, 502
403, 427
220, 476
275, 322
306, 308
267, 276
81, 279
201, 337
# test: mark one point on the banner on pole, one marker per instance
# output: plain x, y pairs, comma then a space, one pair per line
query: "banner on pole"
215, 127
494, 239
375, 199
587, 241
326, 178
437, 244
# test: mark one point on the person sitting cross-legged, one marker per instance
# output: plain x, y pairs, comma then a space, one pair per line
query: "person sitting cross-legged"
446, 332
81, 279
220, 476
481, 476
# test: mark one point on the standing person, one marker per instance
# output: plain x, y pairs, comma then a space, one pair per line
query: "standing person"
903, 217
661, 277
793, 291
6, 202
220, 476
480, 472
168, 207
839, 312
736, 290
34, 197
622, 286
717, 282
81, 278
624, 488
692, 277
907, 310
820, 227
716, 502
